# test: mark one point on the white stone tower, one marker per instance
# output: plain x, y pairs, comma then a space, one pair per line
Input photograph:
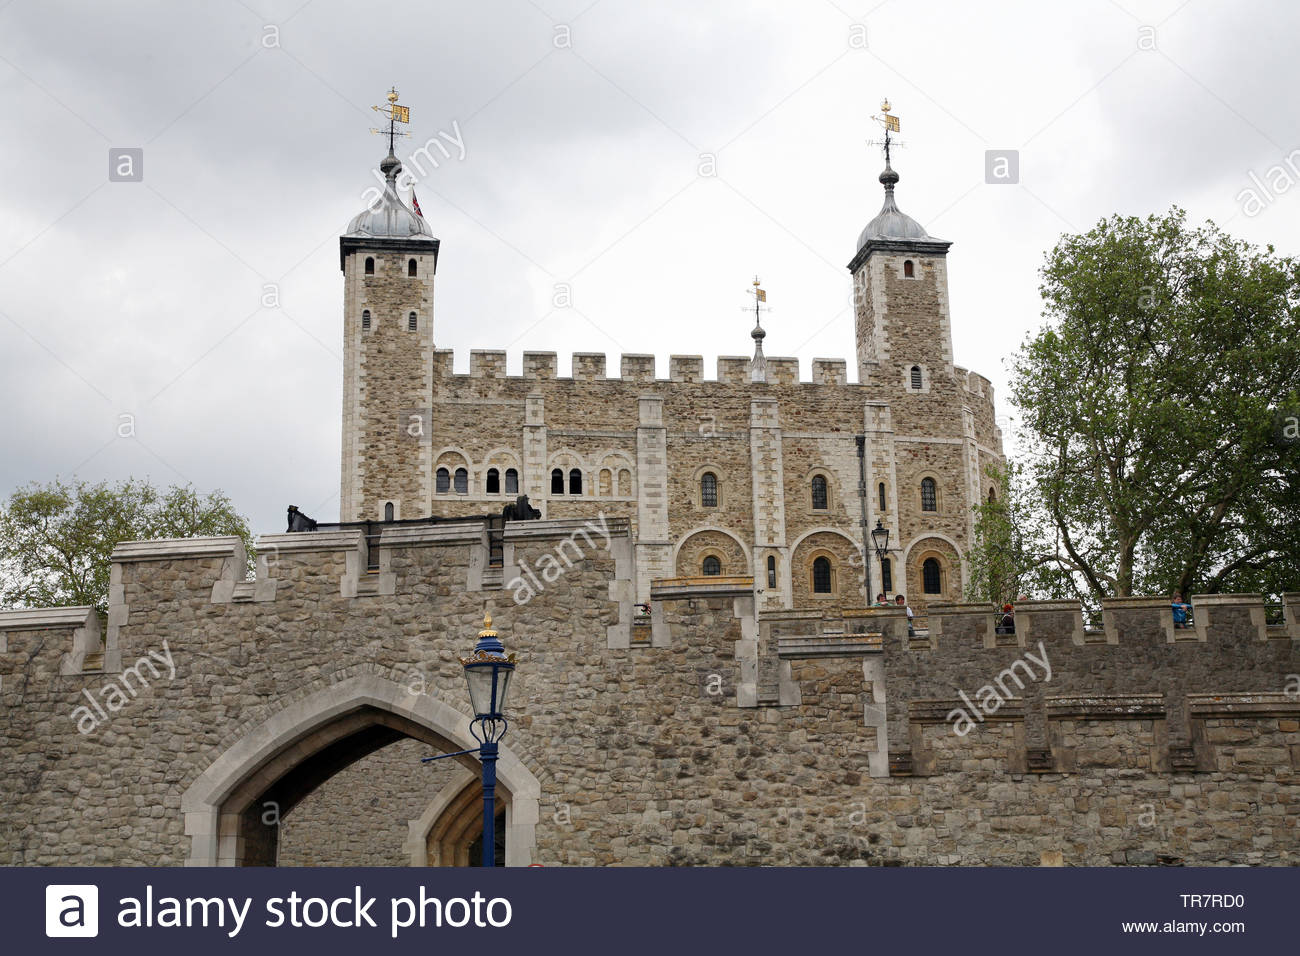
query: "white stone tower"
389, 257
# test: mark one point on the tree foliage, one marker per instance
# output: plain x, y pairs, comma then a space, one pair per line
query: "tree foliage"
1151, 403
55, 539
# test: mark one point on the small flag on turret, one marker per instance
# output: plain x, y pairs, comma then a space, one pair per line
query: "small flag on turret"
415, 204
762, 295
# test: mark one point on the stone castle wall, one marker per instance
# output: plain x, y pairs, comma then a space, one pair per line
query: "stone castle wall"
708, 735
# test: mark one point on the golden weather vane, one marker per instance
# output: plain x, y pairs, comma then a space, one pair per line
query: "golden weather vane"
396, 113
760, 296
890, 123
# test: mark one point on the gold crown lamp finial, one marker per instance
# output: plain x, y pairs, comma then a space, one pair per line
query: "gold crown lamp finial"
487, 626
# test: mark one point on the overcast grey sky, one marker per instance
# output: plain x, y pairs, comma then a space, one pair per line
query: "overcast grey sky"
583, 127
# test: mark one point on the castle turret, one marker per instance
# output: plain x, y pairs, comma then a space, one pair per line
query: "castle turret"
900, 292
389, 257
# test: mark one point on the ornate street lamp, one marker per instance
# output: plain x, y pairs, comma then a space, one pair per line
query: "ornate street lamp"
880, 540
487, 672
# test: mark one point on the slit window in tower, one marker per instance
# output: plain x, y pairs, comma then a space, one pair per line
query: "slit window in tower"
412, 322
388, 511
370, 265
444, 481
712, 566
493, 486
821, 576
512, 481
931, 577
819, 501
410, 268
929, 495
883, 501
575, 482
708, 490
771, 571
462, 481
916, 377
886, 575
557, 481
909, 271
365, 320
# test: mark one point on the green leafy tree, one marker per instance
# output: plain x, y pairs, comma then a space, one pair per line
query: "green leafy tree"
55, 539
1150, 403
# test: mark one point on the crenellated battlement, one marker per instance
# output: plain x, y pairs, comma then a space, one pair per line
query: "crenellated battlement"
688, 369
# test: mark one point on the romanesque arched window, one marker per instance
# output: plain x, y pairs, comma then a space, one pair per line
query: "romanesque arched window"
370, 265
821, 575
819, 497
412, 322
708, 490
711, 565
916, 377
993, 496
557, 481
410, 268
931, 576
624, 483
884, 501
606, 486
575, 481
929, 495
462, 481
444, 481
388, 511
365, 320
493, 484
512, 481
771, 571
886, 575
909, 270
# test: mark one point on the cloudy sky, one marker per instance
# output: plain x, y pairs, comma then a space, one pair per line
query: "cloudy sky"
135, 333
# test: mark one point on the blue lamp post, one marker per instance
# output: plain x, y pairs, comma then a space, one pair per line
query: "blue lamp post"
487, 672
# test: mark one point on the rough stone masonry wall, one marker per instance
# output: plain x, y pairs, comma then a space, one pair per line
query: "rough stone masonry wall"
640, 758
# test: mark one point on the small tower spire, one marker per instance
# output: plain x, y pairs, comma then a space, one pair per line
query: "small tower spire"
758, 366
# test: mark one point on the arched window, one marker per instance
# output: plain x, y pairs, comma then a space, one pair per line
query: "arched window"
462, 481
771, 570
624, 483
931, 576
370, 265
708, 490
909, 271
993, 496
821, 576
819, 502
929, 495
444, 481
916, 377
884, 502
412, 322
575, 481
493, 484
886, 575
711, 565
512, 481
388, 511
606, 483
557, 481
410, 268
365, 320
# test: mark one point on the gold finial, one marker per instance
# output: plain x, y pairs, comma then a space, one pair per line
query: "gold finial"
392, 97
487, 627
884, 106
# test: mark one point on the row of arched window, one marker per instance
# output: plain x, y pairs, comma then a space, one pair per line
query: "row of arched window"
411, 267
822, 574
412, 321
819, 493
445, 480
